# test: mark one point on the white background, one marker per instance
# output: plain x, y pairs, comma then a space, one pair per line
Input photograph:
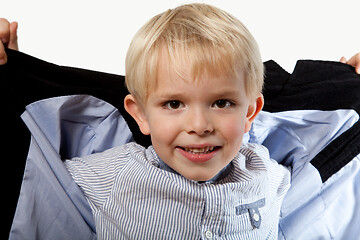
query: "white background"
95, 34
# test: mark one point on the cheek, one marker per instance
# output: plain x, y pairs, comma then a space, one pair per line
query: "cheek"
162, 130
233, 130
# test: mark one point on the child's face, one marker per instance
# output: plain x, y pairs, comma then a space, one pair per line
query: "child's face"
197, 127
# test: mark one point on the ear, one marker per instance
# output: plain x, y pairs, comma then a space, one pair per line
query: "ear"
134, 108
253, 110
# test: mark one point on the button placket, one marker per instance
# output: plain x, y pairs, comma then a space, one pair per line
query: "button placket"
215, 198
208, 234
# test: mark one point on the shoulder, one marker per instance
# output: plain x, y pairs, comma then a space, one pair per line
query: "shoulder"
96, 174
112, 153
109, 161
258, 158
259, 154
255, 150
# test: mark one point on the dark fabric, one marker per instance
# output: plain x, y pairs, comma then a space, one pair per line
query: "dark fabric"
315, 85
318, 85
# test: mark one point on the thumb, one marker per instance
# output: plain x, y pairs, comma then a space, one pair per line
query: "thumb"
13, 41
343, 60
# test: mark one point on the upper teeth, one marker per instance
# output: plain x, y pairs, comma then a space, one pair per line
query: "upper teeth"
199, 150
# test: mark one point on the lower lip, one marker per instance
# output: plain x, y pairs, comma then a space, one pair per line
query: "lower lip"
198, 158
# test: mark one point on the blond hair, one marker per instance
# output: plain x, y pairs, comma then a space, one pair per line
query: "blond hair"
210, 39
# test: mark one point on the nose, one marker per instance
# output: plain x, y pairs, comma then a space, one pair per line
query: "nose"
199, 122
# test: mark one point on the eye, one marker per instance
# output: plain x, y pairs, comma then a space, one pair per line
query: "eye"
222, 103
173, 105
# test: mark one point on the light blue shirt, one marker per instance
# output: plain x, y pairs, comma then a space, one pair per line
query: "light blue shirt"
70, 126
132, 198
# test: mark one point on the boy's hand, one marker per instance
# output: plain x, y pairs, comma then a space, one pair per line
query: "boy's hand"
8, 38
353, 61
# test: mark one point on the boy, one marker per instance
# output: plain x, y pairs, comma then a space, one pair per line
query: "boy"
195, 77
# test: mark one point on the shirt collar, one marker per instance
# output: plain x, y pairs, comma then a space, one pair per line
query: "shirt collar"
222, 174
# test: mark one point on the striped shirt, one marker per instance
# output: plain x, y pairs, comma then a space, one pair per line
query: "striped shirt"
133, 198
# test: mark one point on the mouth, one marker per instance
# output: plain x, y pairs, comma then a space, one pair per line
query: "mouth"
203, 150
198, 154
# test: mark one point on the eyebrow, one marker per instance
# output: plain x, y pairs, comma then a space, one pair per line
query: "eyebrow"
171, 95
223, 94
227, 93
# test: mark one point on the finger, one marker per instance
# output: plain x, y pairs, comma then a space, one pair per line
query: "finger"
3, 57
355, 62
343, 60
4, 30
4, 38
13, 38
357, 68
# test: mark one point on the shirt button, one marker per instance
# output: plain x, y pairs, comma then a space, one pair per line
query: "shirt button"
256, 217
208, 234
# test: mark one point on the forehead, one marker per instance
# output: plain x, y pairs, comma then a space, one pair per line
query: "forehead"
193, 64
180, 79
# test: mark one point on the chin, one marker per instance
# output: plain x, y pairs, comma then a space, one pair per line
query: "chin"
199, 177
